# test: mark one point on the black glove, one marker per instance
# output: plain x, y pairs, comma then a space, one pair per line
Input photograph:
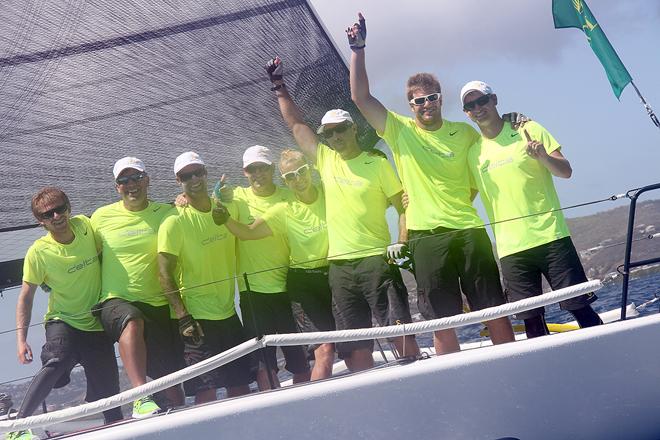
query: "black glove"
516, 119
189, 328
220, 214
357, 34
274, 69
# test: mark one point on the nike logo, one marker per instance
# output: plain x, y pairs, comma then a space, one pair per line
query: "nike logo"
367, 163
451, 133
156, 209
514, 134
85, 233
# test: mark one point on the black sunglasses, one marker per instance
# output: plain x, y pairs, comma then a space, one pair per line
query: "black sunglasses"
51, 212
482, 100
420, 100
123, 180
329, 132
184, 177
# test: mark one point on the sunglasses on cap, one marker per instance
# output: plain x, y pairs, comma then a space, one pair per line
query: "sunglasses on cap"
123, 180
297, 173
339, 128
51, 212
482, 100
199, 172
420, 100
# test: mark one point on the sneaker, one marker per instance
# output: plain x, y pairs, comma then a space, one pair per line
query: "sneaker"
21, 435
144, 407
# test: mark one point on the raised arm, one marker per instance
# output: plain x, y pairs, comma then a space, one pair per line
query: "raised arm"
302, 133
371, 108
555, 162
23, 317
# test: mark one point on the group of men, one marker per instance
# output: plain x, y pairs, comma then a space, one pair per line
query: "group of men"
319, 257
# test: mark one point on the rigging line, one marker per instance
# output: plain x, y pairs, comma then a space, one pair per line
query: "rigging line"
139, 37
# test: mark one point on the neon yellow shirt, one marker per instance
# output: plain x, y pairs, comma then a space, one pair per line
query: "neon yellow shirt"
73, 273
305, 228
513, 184
356, 197
129, 242
433, 168
206, 262
270, 254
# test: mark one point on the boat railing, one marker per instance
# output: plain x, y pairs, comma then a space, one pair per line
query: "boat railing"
633, 195
296, 339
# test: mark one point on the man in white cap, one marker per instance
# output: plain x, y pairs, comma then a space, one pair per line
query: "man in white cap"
197, 262
133, 309
450, 247
359, 187
514, 173
265, 305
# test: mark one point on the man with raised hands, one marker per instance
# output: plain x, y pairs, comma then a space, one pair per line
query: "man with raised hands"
197, 262
359, 187
65, 260
449, 244
133, 309
514, 174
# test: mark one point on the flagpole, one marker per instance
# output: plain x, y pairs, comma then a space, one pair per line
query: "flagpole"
648, 108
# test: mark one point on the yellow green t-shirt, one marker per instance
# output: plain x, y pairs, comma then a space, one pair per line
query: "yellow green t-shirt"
129, 241
73, 273
268, 256
513, 184
433, 168
206, 265
356, 198
305, 228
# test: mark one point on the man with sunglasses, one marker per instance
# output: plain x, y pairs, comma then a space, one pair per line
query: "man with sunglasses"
133, 309
514, 174
65, 260
197, 262
265, 306
449, 244
359, 187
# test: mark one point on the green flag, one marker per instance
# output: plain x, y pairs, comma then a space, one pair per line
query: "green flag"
576, 13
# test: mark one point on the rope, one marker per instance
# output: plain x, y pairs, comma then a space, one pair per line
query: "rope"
294, 339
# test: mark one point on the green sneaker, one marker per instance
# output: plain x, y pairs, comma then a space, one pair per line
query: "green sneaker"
21, 435
144, 407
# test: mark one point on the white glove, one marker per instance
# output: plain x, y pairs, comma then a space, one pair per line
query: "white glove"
395, 251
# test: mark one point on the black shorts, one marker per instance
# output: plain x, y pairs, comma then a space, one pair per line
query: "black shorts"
161, 333
558, 261
311, 299
270, 313
360, 294
397, 296
93, 350
218, 336
448, 261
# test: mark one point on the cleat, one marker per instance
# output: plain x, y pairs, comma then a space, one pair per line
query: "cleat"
144, 407
21, 435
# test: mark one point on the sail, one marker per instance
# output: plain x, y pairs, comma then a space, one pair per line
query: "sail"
86, 82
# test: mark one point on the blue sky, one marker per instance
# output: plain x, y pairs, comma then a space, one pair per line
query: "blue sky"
550, 75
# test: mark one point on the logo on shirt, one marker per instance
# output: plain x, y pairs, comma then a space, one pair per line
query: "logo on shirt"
489, 166
83, 264
314, 229
451, 133
443, 154
136, 232
348, 182
214, 238
514, 134
367, 163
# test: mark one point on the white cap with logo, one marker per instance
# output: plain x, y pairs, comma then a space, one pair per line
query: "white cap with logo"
335, 116
185, 159
478, 86
127, 162
256, 153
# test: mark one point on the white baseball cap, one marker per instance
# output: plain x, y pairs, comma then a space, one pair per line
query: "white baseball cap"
335, 116
478, 86
256, 153
185, 159
127, 162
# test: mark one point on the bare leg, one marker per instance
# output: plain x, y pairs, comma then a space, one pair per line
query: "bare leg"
133, 352
445, 342
500, 330
324, 357
406, 346
262, 379
174, 396
302, 377
205, 396
240, 390
360, 359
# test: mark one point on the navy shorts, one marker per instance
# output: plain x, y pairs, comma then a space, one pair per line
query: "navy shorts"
161, 333
219, 336
270, 313
448, 261
557, 261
